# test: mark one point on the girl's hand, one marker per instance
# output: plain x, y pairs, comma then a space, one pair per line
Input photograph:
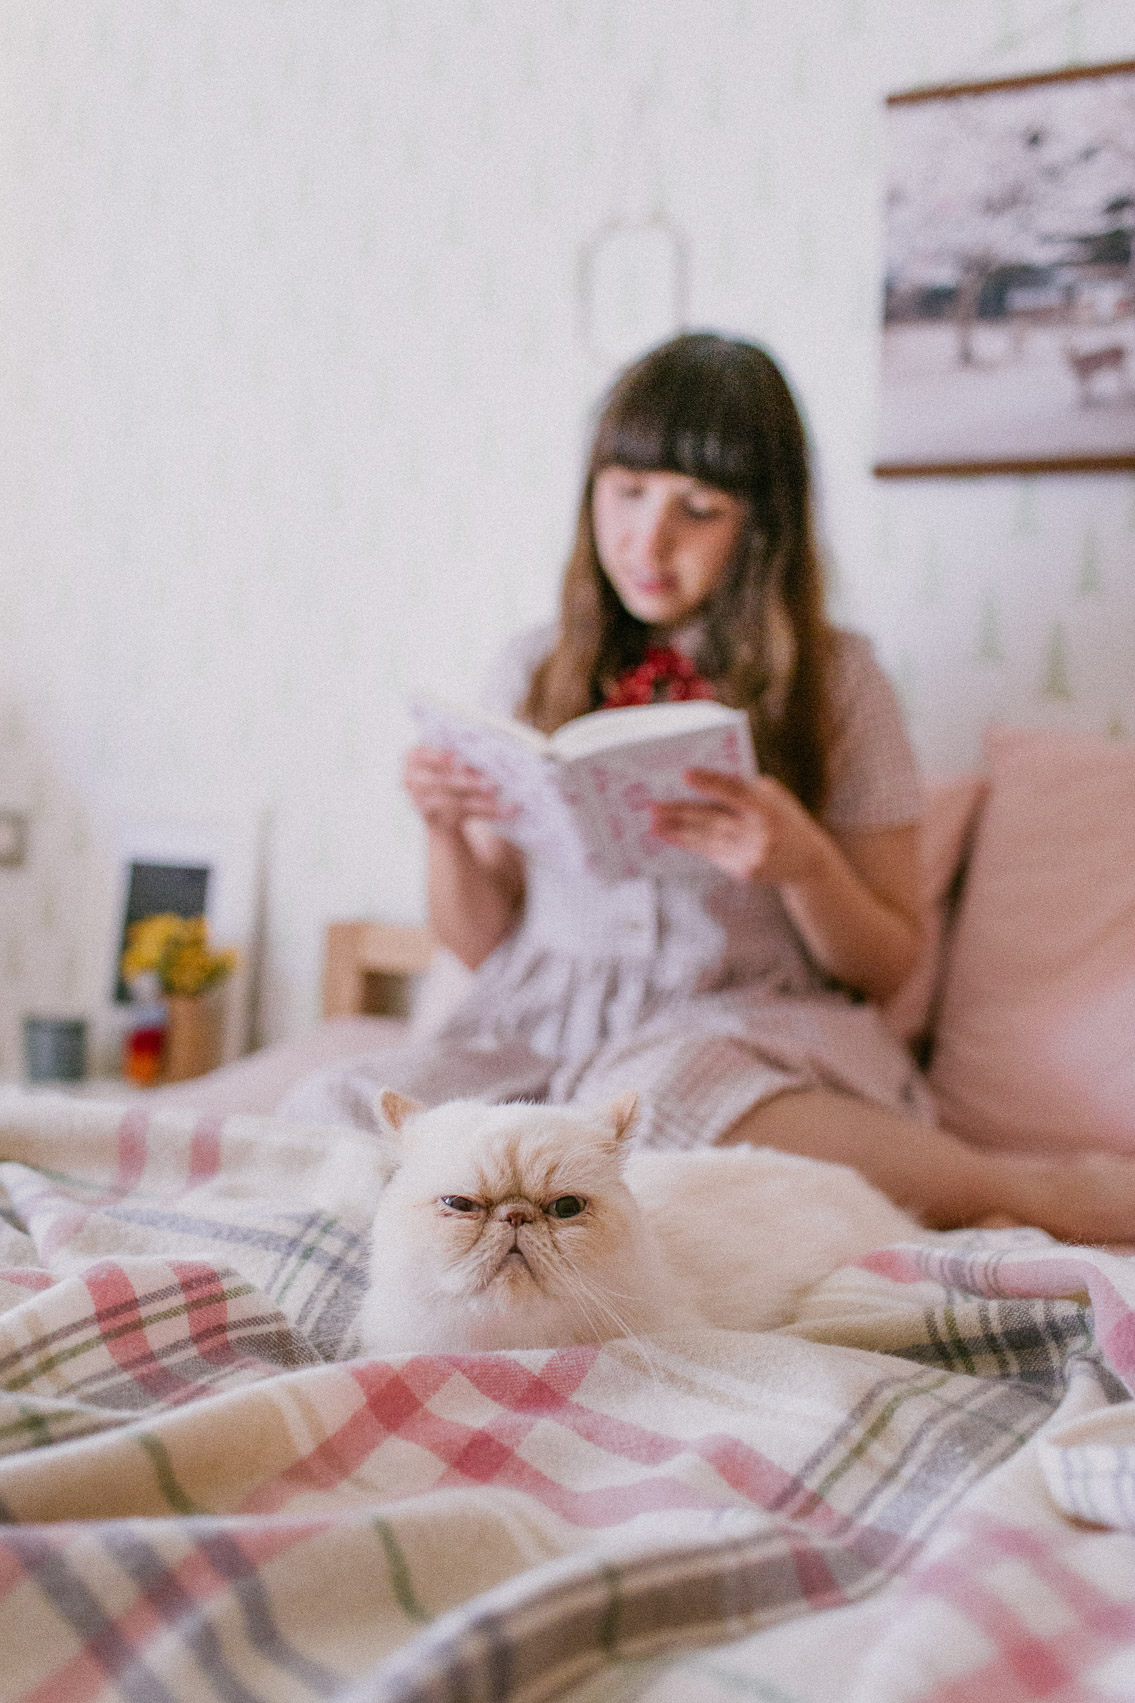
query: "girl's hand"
854, 900
754, 830
447, 793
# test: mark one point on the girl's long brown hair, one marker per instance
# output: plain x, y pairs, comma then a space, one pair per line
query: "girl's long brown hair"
716, 409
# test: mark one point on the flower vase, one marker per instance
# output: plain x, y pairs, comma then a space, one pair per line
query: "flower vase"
194, 1029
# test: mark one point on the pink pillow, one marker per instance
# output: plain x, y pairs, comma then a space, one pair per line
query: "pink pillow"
1035, 1038
951, 807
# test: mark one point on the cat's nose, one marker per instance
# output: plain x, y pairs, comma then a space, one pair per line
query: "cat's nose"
517, 1212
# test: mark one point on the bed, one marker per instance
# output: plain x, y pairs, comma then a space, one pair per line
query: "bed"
921, 1487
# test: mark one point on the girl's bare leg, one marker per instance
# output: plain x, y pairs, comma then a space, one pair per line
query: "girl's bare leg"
943, 1180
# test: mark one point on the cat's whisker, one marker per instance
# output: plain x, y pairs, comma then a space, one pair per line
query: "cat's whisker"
583, 1287
566, 1262
574, 1278
570, 1278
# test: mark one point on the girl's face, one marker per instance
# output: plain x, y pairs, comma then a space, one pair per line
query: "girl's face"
664, 540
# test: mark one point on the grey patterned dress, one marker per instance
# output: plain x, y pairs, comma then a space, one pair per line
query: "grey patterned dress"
699, 994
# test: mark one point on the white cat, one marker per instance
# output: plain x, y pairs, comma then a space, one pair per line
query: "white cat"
523, 1226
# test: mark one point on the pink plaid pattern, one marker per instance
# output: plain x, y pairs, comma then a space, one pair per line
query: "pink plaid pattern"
242, 1511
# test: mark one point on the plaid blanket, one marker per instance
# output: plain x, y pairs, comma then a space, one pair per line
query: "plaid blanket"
924, 1487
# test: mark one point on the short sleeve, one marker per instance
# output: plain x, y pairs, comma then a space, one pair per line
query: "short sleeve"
874, 781
506, 684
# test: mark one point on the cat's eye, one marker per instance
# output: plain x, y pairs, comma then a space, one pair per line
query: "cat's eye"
459, 1203
567, 1206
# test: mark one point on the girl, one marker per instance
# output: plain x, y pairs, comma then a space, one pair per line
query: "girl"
740, 1004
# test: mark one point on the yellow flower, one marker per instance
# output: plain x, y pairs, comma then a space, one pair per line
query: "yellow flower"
146, 941
176, 950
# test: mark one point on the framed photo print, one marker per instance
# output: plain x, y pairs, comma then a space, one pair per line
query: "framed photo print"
191, 868
1009, 300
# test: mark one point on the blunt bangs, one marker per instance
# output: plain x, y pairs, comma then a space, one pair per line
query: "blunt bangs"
691, 407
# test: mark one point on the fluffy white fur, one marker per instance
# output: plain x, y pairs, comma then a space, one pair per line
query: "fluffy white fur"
468, 1250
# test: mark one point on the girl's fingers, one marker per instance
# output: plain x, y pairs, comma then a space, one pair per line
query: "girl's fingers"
442, 792
734, 839
701, 826
678, 812
707, 844
446, 805
446, 772
433, 760
463, 803
729, 788
467, 780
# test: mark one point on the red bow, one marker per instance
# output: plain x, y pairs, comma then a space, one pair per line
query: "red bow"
664, 676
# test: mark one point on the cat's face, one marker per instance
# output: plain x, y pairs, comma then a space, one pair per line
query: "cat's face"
510, 1210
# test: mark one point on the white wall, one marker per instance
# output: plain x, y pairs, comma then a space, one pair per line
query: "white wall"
294, 391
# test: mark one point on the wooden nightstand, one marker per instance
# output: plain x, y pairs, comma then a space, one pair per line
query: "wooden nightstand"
369, 968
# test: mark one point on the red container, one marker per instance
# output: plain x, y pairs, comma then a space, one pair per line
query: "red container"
143, 1048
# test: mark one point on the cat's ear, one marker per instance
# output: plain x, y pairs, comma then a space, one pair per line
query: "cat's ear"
621, 1115
393, 1109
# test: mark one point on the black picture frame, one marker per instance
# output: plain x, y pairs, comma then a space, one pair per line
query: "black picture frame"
153, 889
1008, 341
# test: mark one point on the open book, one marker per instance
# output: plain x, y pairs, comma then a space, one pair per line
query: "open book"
586, 790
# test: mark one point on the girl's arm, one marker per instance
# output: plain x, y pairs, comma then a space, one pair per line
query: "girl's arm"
476, 878
854, 899
859, 914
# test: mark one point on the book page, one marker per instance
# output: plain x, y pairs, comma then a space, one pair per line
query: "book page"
611, 793
602, 729
463, 720
521, 768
